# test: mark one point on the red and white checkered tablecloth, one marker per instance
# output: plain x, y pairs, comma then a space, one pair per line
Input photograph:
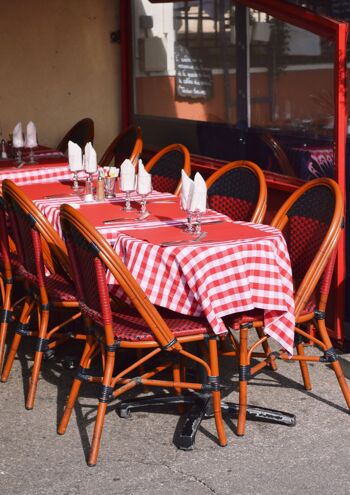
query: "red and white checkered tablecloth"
38, 175
236, 268
217, 278
51, 167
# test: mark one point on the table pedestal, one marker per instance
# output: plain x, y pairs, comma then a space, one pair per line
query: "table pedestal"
200, 408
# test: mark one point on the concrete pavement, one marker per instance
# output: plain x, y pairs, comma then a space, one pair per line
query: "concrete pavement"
137, 456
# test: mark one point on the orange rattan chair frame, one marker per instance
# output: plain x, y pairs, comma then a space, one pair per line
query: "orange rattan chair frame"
39, 249
81, 133
238, 190
83, 243
128, 144
8, 277
278, 154
166, 165
311, 220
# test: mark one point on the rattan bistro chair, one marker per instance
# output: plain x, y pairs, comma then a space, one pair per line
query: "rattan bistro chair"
311, 220
127, 144
238, 190
45, 270
162, 334
81, 133
166, 165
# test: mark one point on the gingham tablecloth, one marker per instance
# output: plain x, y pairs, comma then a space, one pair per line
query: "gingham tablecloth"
237, 267
216, 279
52, 166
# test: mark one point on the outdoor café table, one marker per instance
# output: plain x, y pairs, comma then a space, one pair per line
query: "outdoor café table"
52, 166
238, 266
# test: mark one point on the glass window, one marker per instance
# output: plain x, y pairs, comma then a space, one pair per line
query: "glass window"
196, 61
185, 60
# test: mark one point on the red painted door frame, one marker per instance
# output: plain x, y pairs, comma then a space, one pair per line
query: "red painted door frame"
320, 25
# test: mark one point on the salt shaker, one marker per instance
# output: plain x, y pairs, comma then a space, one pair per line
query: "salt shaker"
100, 186
3, 149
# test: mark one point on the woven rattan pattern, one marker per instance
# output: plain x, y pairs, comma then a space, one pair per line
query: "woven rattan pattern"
86, 271
239, 183
128, 325
169, 165
235, 208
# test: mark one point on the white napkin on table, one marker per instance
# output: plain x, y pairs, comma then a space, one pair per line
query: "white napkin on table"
144, 180
186, 190
127, 176
90, 159
17, 136
31, 140
198, 201
75, 157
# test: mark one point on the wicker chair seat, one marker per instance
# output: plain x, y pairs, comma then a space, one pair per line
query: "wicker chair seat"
257, 315
58, 288
128, 325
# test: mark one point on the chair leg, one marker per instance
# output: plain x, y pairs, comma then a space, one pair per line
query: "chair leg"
101, 411
37, 360
303, 365
335, 364
216, 395
24, 318
243, 380
6, 310
267, 348
85, 361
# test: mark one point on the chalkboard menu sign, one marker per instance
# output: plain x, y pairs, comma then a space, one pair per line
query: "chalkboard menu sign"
340, 9
193, 80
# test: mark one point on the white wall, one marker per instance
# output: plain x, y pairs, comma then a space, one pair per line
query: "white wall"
58, 66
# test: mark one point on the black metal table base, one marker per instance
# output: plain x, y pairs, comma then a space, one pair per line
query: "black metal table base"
200, 408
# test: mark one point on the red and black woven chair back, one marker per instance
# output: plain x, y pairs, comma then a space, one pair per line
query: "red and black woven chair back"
311, 221
81, 133
27, 240
308, 222
89, 275
238, 190
166, 167
128, 144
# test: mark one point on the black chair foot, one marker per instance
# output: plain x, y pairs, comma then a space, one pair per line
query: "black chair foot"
259, 414
185, 436
125, 408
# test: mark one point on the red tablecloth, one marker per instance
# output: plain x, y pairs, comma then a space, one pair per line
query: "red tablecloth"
236, 268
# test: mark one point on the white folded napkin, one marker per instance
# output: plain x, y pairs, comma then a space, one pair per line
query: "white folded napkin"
186, 190
144, 180
127, 176
198, 200
31, 140
90, 159
17, 136
75, 157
